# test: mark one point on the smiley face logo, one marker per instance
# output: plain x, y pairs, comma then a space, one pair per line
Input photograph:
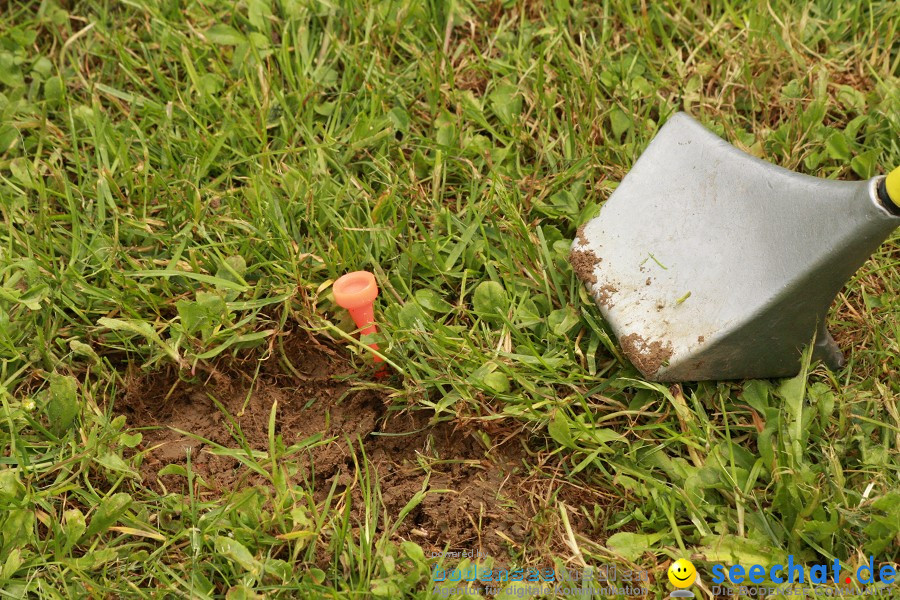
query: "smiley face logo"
682, 573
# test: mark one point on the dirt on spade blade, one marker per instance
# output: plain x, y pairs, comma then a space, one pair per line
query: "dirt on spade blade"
583, 263
648, 357
473, 496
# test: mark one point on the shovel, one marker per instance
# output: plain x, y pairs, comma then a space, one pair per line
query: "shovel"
708, 263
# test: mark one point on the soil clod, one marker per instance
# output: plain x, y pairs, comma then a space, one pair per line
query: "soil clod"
604, 295
648, 357
583, 263
579, 235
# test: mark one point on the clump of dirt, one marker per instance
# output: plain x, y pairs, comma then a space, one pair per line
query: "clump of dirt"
583, 263
604, 295
648, 357
579, 235
315, 395
701, 338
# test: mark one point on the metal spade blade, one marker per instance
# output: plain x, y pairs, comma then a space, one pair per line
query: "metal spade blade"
709, 263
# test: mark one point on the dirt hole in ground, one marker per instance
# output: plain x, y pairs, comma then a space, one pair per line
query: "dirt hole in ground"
475, 494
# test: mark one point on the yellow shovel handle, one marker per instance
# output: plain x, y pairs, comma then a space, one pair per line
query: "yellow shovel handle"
892, 186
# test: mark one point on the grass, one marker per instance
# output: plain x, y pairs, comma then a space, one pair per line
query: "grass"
181, 181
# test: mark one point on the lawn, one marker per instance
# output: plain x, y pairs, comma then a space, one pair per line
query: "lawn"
186, 412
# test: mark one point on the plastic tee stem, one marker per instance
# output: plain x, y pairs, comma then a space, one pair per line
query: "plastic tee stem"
356, 292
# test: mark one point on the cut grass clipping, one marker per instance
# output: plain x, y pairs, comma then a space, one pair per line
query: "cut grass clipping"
185, 412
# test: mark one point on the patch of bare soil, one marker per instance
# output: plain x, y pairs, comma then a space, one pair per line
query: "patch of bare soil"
472, 498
